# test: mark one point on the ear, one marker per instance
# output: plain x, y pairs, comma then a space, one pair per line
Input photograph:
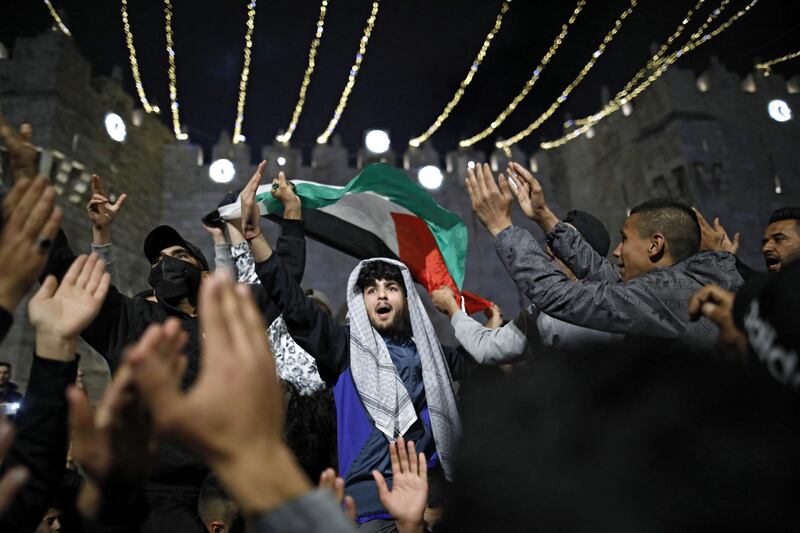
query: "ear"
658, 247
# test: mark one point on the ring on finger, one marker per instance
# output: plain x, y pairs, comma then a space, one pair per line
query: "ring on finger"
43, 244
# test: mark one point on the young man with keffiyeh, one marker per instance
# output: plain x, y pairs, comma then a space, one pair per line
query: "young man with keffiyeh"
391, 376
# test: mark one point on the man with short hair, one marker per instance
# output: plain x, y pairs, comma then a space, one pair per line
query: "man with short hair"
659, 267
781, 242
51, 522
216, 509
8, 390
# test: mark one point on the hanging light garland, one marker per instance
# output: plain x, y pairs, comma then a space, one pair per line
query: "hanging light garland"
662, 67
767, 66
473, 69
351, 77
137, 79
506, 144
285, 137
528, 84
248, 45
58, 23
657, 58
173, 86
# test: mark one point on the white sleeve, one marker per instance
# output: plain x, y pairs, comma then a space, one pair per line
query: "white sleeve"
489, 346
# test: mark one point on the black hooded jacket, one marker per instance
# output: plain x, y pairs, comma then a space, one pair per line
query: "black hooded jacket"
123, 319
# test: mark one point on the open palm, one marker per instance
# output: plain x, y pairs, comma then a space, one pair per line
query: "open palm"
68, 308
251, 214
407, 499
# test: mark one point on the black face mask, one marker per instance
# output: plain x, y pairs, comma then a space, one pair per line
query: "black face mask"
172, 278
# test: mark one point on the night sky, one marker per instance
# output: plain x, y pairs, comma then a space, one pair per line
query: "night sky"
419, 52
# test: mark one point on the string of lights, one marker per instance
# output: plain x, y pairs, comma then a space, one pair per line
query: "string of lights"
662, 68
58, 24
352, 75
173, 86
285, 137
528, 84
137, 79
248, 46
533, 126
767, 66
658, 56
473, 69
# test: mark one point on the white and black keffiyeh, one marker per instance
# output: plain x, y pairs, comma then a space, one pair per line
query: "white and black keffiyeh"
378, 383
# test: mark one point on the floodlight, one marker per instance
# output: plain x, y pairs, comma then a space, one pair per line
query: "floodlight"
430, 177
221, 171
115, 127
779, 111
377, 141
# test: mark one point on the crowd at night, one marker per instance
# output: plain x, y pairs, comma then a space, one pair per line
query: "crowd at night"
601, 336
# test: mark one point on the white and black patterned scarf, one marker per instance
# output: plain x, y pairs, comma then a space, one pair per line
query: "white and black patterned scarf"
378, 383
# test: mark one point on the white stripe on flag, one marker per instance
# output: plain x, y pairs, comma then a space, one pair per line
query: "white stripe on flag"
369, 211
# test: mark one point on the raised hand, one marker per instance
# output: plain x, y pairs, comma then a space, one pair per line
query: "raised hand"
495, 316
251, 215
233, 415
102, 212
716, 304
715, 238
491, 200
409, 495
328, 480
444, 299
728, 245
64, 310
20, 149
217, 234
114, 442
284, 191
530, 195
30, 223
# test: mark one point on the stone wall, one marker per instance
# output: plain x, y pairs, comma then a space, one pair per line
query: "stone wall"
48, 83
717, 147
709, 140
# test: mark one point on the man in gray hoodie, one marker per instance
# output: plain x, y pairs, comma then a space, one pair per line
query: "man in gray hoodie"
658, 260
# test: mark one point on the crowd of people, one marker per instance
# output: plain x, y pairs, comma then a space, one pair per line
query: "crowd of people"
657, 392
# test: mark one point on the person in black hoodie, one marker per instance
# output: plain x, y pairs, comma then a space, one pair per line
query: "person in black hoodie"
58, 312
177, 267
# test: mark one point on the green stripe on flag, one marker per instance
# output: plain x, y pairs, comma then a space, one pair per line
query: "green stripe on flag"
385, 180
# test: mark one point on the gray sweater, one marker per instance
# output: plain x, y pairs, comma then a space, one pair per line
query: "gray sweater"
510, 343
650, 306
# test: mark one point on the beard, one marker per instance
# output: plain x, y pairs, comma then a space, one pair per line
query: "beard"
400, 325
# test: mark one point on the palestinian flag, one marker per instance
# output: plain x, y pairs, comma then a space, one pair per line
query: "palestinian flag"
381, 213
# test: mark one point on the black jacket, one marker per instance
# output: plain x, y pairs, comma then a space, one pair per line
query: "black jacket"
41, 442
10, 394
6, 321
